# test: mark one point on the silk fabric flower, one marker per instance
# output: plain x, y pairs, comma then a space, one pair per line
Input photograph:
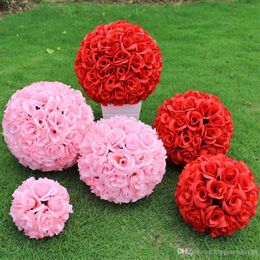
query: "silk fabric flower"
122, 160
40, 207
44, 123
193, 124
118, 63
217, 195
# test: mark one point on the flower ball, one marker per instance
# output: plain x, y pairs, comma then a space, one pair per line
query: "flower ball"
193, 124
118, 63
217, 195
44, 123
40, 207
122, 160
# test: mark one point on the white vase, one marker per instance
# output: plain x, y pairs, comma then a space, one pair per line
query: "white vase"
126, 110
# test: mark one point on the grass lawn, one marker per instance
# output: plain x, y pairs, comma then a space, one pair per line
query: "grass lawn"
212, 47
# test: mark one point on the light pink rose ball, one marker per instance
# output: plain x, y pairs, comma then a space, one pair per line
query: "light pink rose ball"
122, 160
40, 207
44, 123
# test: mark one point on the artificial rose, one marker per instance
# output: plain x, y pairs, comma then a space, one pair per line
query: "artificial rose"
195, 120
29, 130
58, 205
210, 169
185, 139
143, 158
46, 225
43, 188
185, 197
137, 62
201, 198
186, 155
196, 217
177, 105
165, 118
246, 182
233, 201
244, 215
99, 149
27, 201
216, 189
103, 62
179, 123
205, 107
190, 103
170, 139
116, 137
212, 134
229, 173
116, 181
55, 151
137, 180
121, 160
210, 150
132, 142
215, 217
120, 73
147, 139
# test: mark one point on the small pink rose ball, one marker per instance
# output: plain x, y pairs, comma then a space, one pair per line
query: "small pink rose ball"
122, 159
40, 207
44, 123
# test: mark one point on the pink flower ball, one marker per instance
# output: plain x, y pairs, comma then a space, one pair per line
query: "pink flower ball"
44, 123
40, 207
122, 160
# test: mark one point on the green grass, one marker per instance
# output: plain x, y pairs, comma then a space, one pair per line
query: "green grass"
212, 47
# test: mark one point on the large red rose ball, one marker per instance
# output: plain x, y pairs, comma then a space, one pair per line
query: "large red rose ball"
118, 63
217, 195
193, 124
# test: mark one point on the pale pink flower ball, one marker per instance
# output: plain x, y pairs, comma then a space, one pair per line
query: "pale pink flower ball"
122, 160
44, 123
40, 207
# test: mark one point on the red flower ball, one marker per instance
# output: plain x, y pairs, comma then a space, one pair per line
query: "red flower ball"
193, 124
118, 63
217, 195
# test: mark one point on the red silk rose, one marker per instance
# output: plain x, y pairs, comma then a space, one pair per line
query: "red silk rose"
118, 63
193, 124
217, 195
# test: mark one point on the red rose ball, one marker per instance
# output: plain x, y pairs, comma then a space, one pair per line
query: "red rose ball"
217, 195
118, 63
193, 124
